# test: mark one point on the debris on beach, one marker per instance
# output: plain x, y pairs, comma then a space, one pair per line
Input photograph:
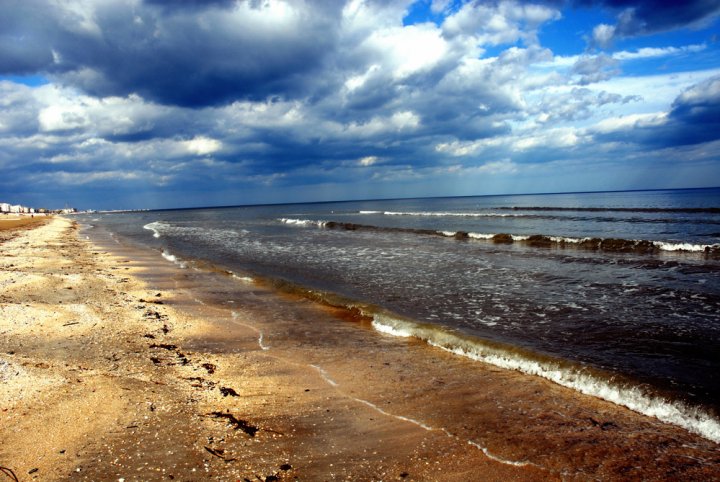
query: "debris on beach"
228, 392
236, 423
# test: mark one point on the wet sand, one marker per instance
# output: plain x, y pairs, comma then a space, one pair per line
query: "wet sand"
116, 364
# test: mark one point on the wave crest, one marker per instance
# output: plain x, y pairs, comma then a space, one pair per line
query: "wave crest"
582, 379
302, 222
157, 228
619, 245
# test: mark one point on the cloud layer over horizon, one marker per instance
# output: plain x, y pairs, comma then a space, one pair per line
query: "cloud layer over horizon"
129, 103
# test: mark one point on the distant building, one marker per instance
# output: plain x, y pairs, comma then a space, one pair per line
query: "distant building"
7, 208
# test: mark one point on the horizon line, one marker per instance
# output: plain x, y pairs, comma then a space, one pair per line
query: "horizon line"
230, 206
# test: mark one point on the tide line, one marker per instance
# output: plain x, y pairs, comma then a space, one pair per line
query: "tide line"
259, 332
326, 377
260, 342
399, 417
499, 459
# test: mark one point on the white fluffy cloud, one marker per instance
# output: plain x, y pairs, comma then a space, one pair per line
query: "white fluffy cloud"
202, 146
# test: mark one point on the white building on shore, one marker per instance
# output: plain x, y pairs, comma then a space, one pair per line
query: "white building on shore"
7, 208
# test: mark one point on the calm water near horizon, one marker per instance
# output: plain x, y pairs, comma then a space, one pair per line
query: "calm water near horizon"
612, 294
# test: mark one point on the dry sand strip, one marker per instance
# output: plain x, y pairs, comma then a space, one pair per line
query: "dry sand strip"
90, 372
11, 226
112, 370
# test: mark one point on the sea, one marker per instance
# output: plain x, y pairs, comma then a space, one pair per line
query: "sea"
612, 294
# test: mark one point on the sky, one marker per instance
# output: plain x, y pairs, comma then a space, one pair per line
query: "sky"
129, 104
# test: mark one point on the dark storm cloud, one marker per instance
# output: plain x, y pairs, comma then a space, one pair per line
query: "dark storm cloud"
25, 38
640, 17
693, 119
695, 114
699, 104
635, 18
210, 54
19, 110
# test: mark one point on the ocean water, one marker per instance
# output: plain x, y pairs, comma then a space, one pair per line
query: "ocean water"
613, 294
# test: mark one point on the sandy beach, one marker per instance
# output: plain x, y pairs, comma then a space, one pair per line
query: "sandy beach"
8, 224
119, 365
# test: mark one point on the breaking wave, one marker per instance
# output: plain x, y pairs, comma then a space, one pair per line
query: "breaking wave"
161, 229
598, 383
615, 215
302, 222
156, 227
173, 259
537, 240
577, 377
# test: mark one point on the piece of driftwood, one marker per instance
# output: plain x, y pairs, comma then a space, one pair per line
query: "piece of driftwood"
219, 453
9, 473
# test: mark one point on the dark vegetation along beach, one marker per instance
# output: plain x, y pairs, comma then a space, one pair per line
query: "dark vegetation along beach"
386, 340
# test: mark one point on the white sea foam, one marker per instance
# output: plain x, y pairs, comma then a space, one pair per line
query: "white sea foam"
399, 417
302, 222
156, 227
244, 279
383, 325
236, 319
685, 246
262, 345
173, 259
496, 458
564, 239
170, 257
480, 235
632, 397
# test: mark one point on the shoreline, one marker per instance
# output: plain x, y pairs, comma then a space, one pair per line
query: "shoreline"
119, 364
